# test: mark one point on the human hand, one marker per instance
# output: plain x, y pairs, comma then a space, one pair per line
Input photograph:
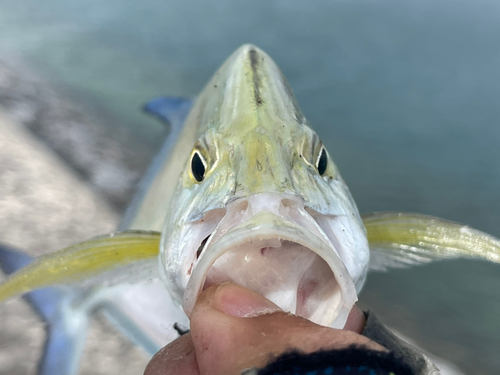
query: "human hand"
233, 328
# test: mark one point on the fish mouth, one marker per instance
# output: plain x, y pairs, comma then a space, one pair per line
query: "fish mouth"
285, 259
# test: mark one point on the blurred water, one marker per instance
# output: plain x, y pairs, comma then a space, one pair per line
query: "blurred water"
405, 94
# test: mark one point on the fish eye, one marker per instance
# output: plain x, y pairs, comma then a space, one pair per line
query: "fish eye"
322, 162
198, 166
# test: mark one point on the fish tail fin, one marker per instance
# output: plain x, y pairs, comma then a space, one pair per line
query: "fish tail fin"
66, 328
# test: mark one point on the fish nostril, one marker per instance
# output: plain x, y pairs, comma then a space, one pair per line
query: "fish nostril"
288, 203
242, 207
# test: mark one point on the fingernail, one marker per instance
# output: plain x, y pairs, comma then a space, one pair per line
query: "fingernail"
238, 301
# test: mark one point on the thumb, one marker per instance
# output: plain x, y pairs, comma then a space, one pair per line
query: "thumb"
233, 328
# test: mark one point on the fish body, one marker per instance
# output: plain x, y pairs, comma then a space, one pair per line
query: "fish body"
242, 191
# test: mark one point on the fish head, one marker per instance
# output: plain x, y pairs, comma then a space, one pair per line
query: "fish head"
260, 201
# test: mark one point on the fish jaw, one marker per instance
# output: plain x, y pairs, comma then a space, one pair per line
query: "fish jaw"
270, 244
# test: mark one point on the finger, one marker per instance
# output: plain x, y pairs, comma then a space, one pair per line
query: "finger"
179, 356
234, 328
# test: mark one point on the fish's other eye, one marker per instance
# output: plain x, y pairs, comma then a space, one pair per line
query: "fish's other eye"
322, 162
198, 166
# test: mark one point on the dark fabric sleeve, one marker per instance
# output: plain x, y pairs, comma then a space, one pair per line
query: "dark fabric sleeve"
402, 358
379, 333
348, 361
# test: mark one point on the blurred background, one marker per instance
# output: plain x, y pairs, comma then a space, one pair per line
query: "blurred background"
405, 94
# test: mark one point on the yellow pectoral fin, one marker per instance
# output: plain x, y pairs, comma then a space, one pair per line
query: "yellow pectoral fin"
402, 239
83, 260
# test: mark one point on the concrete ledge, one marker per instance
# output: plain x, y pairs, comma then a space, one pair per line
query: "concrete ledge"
45, 206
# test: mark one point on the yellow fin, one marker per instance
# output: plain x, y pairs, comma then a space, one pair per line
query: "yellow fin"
401, 239
83, 260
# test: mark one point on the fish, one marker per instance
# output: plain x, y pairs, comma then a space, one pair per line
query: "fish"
242, 191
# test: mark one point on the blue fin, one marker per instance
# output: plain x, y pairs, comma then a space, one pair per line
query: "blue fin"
169, 110
12, 260
66, 332
63, 348
44, 301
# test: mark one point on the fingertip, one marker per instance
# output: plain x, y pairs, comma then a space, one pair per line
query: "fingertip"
240, 302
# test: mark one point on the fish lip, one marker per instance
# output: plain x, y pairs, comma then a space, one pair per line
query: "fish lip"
266, 226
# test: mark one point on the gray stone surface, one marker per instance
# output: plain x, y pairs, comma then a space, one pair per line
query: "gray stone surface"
45, 206
74, 131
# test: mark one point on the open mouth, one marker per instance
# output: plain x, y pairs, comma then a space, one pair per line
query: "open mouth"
285, 272
281, 260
